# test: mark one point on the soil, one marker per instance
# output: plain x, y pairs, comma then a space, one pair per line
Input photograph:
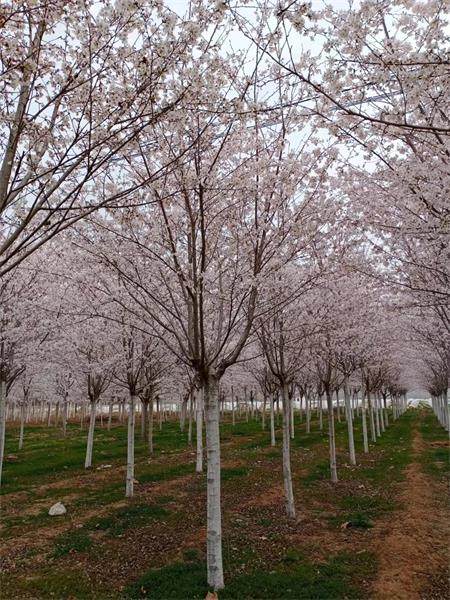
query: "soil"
412, 547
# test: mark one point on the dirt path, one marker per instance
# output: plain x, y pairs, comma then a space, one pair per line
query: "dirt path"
413, 546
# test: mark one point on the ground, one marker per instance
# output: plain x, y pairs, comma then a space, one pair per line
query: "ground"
380, 532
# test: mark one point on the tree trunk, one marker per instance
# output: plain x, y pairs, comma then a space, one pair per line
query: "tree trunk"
320, 401
272, 421
364, 421
199, 432
129, 488
64, 417
150, 426
377, 416
214, 518
191, 408
372, 420
144, 419
183, 413
381, 413
160, 413
331, 438
57, 414
338, 407
308, 413
90, 439
111, 406
263, 415
287, 476
291, 419
385, 411
2, 423
22, 424
348, 416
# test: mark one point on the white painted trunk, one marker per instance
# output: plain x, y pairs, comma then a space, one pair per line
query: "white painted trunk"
90, 439
110, 415
364, 423
150, 426
373, 434
386, 415
377, 417
348, 416
191, 408
64, 418
331, 438
2, 424
144, 419
381, 413
22, 425
272, 421
287, 475
291, 419
129, 488
214, 516
308, 414
199, 431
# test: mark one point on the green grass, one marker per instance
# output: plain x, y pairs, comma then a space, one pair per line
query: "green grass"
296, 578
233, 472
73, 540
47, 456
127, 517
436, 460
52, 583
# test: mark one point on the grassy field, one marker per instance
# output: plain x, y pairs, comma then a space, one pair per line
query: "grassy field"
154, 544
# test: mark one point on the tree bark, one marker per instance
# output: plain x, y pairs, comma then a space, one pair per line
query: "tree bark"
111, 406
272, 421
348, 416
90, 439
2, 423
144, 419
331, 438
191, 408
364, 421
291, 419
64, 417
308, 413
372, 420
214, 517
199, 430
150, 426
22, 424
129, 487
287, 475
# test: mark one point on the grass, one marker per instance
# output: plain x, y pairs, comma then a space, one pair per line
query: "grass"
263, 555
52, 583
128, 517
233, 472
73, 540
296, 578
436, 459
